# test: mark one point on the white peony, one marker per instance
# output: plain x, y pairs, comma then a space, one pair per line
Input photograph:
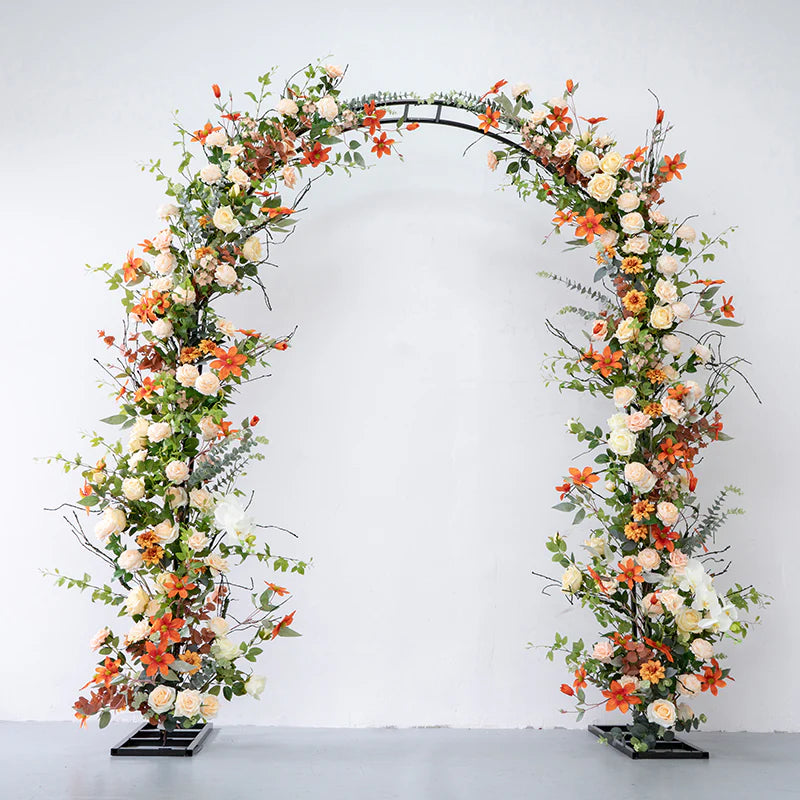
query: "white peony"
327, 108
518, 89
687, 233
218, 625
667, 265
158, 431
231, 517
138, 631
666, 291
622, 442
287, 107
702, 352
112, 520
216, 139
136, 601
224, 649
187, 375
162, 329
251, 249
628, 201
681, 311
671, 343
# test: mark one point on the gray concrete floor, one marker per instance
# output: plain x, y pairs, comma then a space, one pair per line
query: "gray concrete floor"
57, 760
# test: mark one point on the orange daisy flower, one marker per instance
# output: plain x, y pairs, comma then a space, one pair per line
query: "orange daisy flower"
671, 168
621, 697
652, 671
607, 361
630, 572
488, 119
635, 532
156, 659
585, 478
228, 363
635, 301
631, 265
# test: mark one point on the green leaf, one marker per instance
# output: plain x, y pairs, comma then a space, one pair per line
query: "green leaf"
117, 419
88, 502
105, 718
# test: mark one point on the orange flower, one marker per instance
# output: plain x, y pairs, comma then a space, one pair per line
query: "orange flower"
382, 146
710, 680
632, 160
494, 90
662, 648
630, 573
707, 283
562, 217
642, 509
156, 659
672, 167
594, 120
178, 587
659, 116
279, 211
567, 689
559, 119
280, 345
607, 361
727, 307
570, 86
564, 490
145, 391
585, 478
285, 622
488, 119
412, 126
663, 538
203, 133
580, 678
678, 392
631, 265
621, 697
635, 301
281, 591
652, 671
635, 532
315, 155
131, 267
589, 225
373, 117
167, 627
229, 363
225, 429
215, 88
108, 669
671, 451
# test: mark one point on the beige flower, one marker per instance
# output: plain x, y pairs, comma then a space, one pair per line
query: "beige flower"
623, 396
602, 186
165, 263
632, 223
587, 163
703, 649
611, 162
661, 317
133, 488
225, 275
627, 330
649, 559
571, 579
252, 249
666, 291
130, 560
207, 384
187, 703
564, 148
333, 71
239, 177
200, 498
211, 173
639, 476
186, 375
662, 712
161, 699
112, 520
289, 176
158, 431
225, 220
327, 108
688, 620
628, 201
688, 684
210, 706
136, 601
177, 471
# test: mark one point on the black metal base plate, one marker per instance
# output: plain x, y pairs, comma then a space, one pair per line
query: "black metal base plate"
677, 748
147, 740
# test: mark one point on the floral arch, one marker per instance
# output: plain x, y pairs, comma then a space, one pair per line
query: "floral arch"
169, 521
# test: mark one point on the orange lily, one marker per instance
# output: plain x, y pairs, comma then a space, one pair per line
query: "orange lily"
563, 217
672, 168
167, 627
494, 90
156, 659
229, 363
632, 160
488, 119
145, 391
630, 573
585, 478
664, 538
567, 690
203, 133
564, 489
315, 155
104, 673
727, 307
607, 361
711, 679
285, 622
178, 587
671, 451
381, 145
621, 697
373, 117
281, 591
589, 225
131, 267
560, 120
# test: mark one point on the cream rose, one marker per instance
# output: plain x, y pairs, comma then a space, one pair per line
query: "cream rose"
289, 176
688, 684
603, 650
627, 330
187, 374
225, 220
688, 620
184, 295
165, 263
217, 564
636, 245
161, 699
666, 291
649, 559
685, 712
623, 396
225, 275
207, 384
197, 540
177, 497
167, 210
334, 71
611, 162
210, 706
687, 233
587, 163
681, 311
211, 173
667, 265
238, 176
252, 249
200, 498
703, 649
672, 344
216, 139
639, 476
163, 240
208, 427
678, 561
130, 560
187, 703
632, 223
218, 625
255, 686
571, 579
622, 442
538, 116
162, 329
165, 531
672, 408
136, 601
177, 471
602, 186
662, 712
162, 285
661, 317
702, 352
133, 488
112, 520
628, 201
671, 600
617, 421
158, 431
224, 649
564, 148
287, 107
518, 89
138, 631
327, 108
638, 421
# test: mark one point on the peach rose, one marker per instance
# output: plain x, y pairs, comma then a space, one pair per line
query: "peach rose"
678, 561
130, 560
632, 223
207, 384
225, 219
165, 263
623, 396
662, 317
177, 471
96, 642
687, 233
639, 476
649, 559
671, 600
187, 703
599, 329
602, 186
209, 707
564, 148
667, 512
665, 291
333, 71
289, 176
211, 173
688, 684
703, 649
252, 249
627, 330
587, 163
161, 699
186, 375
628, 201
638, 421
611, 162
603, 650
662, 712
133, 488
667, 265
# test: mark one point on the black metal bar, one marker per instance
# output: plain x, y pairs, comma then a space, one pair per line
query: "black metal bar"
149, 741
675, 748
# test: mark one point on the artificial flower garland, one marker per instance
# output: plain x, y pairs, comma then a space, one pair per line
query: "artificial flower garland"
170, 520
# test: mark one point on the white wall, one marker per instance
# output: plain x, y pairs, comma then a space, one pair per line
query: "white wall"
414, 446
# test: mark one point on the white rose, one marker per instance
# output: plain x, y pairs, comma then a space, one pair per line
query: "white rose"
136, 601
518, 89
687, 233
666, 291
688, 684
239, 177
632, 223
252, 250
177, 471
133, 488
636, 245
627, 330
623, 396
184, 295
611, 162
211, 173
564, 148
255, 686
208, 427
688, 620
158, 431
224, 649
617, 422
207, 384
667, 265
681, 311
217, 564
287, 107
130, 560
112, 520
661, 317
165, 263
685, 712
165, 531
197, 540
225, 220
703, 649
702, 352
639, 476
187, 374
327, 108
628, 201
162, 329
671, 343
139, 630
167, 210
187, 703
571, 579
177, 497
667, 512
662, 712
587, 163
538, 116
225, 275
216, 139
622, 442
200, 498
218, 625
602, 186
161, 698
